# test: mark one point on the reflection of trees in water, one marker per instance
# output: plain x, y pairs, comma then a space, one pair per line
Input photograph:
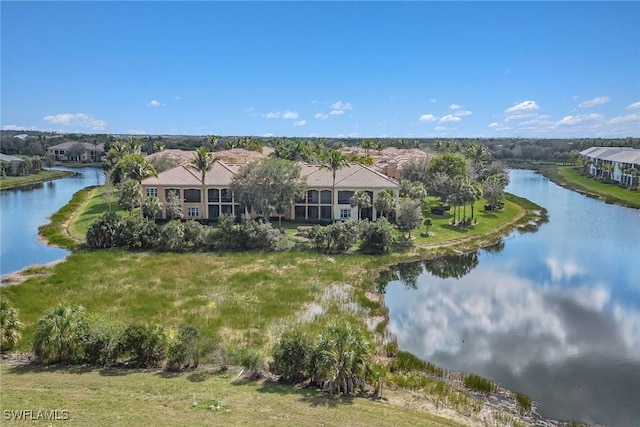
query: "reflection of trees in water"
407, 273
452, 266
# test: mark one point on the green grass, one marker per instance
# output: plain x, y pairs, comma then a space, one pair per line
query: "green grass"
474, 382
611, 193
128, 397
35, 178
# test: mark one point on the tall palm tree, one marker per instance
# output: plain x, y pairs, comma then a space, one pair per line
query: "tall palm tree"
203, 162
362, 200
385, 202
334, 160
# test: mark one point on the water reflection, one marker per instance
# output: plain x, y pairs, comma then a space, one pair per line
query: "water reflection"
554, 314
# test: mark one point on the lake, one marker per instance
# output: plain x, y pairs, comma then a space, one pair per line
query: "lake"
554, 314
23, 210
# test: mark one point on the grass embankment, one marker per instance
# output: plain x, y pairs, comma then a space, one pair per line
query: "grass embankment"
125, 398
567, 176
9, 182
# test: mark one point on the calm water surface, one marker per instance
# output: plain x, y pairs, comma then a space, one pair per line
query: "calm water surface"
22, 211
554, 314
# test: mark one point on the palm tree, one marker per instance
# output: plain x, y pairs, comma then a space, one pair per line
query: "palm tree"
343, 357
334, 160
362, 200
203, 162
385, 202
59, 334
367, 145
10, 326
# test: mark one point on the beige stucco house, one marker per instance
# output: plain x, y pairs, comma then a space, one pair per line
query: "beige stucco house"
319, 203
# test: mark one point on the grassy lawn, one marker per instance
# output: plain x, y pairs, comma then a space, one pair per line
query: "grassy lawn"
42, 176
610, 193
126, 398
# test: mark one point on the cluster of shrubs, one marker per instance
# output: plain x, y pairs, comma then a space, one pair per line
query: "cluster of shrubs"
140, 233
134, 232
69, 335
375, 237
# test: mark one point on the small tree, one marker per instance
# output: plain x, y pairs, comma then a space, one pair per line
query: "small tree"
428, 222
105, 231
409, 215
151, 208
129, 195
146, 343
292, 357
376, 237
173, 205
385, 202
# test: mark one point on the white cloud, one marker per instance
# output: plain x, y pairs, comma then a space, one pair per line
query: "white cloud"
449, 118
523, 106
18, 127
574, 120
599, 100
454, 107
523, 116
336, 112
462, 113
79, 119
300, 123
136, 132
634, 106
339, 105
155, 103
287, 115
635, 117
428, 118
494, 125
439, 128
321, 116
433, 101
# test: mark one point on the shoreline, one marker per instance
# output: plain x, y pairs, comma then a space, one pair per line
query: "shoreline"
20, 184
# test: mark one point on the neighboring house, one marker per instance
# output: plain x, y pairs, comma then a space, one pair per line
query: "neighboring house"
390, 160
10, 165
65, 150
318, 204
620, 164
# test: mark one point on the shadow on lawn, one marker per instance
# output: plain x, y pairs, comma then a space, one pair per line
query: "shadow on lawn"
307, 395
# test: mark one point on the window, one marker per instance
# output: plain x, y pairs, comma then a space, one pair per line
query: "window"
312, 212
227, 209
192, 195
226, 195
213, 195
325, 212
345, 213
312, 197
344, 197
214, 212
152, 192
192, 212
325, 197
300, 212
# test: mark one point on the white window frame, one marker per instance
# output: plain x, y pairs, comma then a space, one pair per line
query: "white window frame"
345, 213
152, 192
193, 212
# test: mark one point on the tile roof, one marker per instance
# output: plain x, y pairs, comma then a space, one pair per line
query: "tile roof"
68, 144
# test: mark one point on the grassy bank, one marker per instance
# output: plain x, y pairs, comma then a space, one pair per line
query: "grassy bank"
567, 176
125, 398
22, 181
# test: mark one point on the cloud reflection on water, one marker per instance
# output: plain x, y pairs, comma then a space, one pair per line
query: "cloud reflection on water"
571, 348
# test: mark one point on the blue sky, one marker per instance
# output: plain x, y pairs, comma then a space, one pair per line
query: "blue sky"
330, 69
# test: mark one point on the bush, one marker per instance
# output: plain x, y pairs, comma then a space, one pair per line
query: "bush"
138, 233
146, 343
194, 235
292, 357
60, 334
10, 326
105, 231
172, 237
259, 236
335, 238
250, 359
102, 342
151, 208
474, 382
184, 352
376, 237
226, 236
